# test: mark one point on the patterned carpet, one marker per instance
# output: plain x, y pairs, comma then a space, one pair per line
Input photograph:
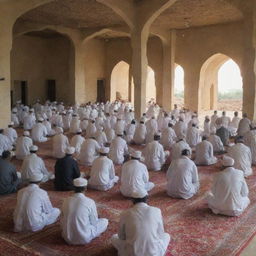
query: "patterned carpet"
195, 231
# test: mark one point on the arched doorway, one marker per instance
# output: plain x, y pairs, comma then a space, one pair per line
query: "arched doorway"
179, 86
210, 83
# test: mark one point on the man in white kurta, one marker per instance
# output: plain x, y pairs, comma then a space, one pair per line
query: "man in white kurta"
60, 143
140, 133
193, 136
204, 153
242, 156
29, 120
118, 149
34, 165
233, 126
229, 193
141, 230
91, 129
23, 145
39, 132
5, 143
180, 128
74, 124
168, 137
11, 133
102, 175
134, 176
77, 141
89, 151
244, 125
182, 177
129, 131
178, 147
79, 221
216, 142
154, 154
34, 210
250, 141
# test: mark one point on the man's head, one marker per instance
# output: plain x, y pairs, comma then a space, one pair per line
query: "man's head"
33, 149
157, 137
215, 112
239, 139
193, 125
26, 133
36, 178
244, 115
1, 131
236, 113
79, 131
133, 122
6, 154
104, 151
139, 197
11, 124
136, 155
204, 138
70, 151
170, 125
185, 152
224, 113
227, 161
80, 185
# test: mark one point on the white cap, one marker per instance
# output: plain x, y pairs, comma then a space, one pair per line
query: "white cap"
79, 130
104, 150
120, 131
26, 133
11, 123
40, 119
59, 130
136, 154
80, 182
139, 194
228, 161
31, 110
36, 177
33, 148
70, 150
14, 110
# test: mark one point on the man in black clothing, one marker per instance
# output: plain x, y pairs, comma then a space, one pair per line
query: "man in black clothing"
66, 170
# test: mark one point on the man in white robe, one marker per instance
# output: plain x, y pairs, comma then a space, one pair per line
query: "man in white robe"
74, 124
229, 193
34, 165
118, 149
134, 176
242, 156
141, 230
102, 175
193, 136
178, 147
182, 177
204, 153
216, 142
14, 118
233, 126
130, 131
101, 137
79, 221
214, 117
89, 151
91, 129
140, 133
180, 128
60, 143
23, 145
207, 127
11, 133
250, 141
244, 125
154, 154
39, 132
5, 143
168, 137
77, 141
29, 120
34, 210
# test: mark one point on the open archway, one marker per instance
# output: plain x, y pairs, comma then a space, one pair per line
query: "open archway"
179, 85
209, 81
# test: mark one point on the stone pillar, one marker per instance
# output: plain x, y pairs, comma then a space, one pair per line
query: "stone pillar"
168, 70
139, 69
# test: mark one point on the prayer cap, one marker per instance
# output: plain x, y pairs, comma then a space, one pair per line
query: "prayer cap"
228, 161
139, 194
14, 110
36, 177
104, 150
59, 130
31, 110
26, 133
80, 182
136, 154
70, 150
120, 132
33, 148
40, 119
79, 130
11, 123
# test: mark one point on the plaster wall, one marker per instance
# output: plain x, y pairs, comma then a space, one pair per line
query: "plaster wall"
36, 59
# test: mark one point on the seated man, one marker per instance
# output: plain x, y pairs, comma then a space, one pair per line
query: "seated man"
77, 141
39, 132
134, 176
79, 222
23, 146
8, 175
182, 177
140, 133
33, 164
242, 156
168, 137
178, 147
66, 170
60, 143
216, 142
154, 153
11, 133
102, 175
193, 136
34, 210
204, 153
229, 194
141, 230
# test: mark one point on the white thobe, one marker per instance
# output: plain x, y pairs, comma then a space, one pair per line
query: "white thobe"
168, 138
207, 129
182, 178
250, 141
180, 129
11, 134
204, 154
84, 124
140, 134
120, 126
243, 158
15, 119
48, 126
102, 175
29, 122
193, 136
130, 130
74, 125
244, 126
141, 232
33, 210
216, 143
79, 221
101, 137
155, 156
5, 143
39, 133
77, 142
34, 165
233, 126
135, 178
66, 121
118, 149
229, 194
60, 144
89, 152
178, 147
214, 117
110, 133
23, 147
225, 121
152, 125
90, 130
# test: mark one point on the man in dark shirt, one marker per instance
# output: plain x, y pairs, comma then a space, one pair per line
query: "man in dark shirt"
66, 170
9, 180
